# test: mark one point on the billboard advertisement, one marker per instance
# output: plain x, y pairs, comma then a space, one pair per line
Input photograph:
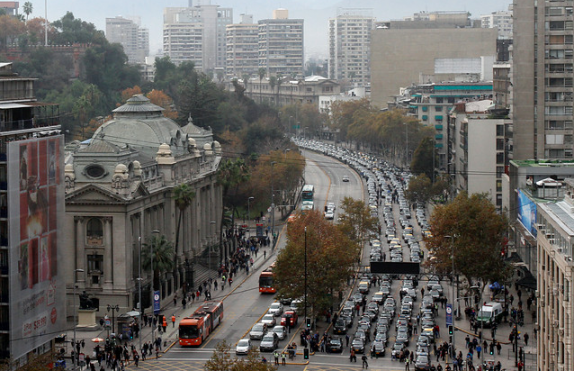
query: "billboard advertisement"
35, 207
527, 213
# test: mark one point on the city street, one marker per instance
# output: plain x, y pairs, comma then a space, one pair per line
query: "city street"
244, 305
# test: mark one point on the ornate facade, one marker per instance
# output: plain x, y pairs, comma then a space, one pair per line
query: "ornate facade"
119, 189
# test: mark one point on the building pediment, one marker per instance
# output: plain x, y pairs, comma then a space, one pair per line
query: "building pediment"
94, 194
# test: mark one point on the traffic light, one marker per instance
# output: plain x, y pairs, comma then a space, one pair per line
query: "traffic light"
450, 339
308, 322
491, 350
306, 353
450, 329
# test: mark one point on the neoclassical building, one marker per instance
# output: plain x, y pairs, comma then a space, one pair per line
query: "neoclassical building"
119, 189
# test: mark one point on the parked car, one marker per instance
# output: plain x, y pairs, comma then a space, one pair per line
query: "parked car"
269, 320
258, 331
243, 346
269, 343
276, 309
358, 345
281, 331
289, 318
334, 345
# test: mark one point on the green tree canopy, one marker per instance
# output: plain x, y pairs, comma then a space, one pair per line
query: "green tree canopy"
330, 256
356, 221
422, 160
419, 189
472, 228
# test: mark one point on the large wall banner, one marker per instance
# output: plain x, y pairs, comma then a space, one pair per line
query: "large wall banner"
527, 213
35, 207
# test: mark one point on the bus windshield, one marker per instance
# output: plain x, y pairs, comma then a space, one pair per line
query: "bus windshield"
188, 332
266, 281
307, 193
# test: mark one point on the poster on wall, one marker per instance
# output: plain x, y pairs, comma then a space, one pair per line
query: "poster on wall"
527, 213
35, 205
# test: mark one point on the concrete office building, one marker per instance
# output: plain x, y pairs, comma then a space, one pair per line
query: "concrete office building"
501, 20
32, 264
477, 149
133, 37
349, 46
399, 56
543, 80
431, 104
281, 45
197, 34
242, 48
555, 240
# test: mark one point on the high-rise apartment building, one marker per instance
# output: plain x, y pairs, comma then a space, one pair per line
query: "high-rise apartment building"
197, 34
32, 264
350, 46
281, 44
133, 37
242, 46
501, 20
543, 80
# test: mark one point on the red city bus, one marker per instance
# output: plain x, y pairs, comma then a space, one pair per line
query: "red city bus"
195, 329
266, 281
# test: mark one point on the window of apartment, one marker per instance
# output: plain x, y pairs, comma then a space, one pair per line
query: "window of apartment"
554, 125
499, 171
554, 10
500, 158
554, 138
499, 130
568, 153
499, 185
438, 108
500, 144
568, 139
439, 100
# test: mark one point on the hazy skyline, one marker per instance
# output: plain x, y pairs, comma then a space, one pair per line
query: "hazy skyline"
315, 13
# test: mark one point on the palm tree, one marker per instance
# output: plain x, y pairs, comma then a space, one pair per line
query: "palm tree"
28, 8
182, 196
162, 251
279, 82
272, 83
261, 72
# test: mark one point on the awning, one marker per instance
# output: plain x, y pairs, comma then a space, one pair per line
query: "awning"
13, 105
528, 280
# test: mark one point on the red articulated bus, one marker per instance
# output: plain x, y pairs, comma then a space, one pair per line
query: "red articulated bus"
195, 329
266, 281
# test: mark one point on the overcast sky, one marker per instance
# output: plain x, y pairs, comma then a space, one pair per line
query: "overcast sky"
315, 13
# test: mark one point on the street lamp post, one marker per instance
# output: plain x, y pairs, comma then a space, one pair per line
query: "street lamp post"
272, 207
79, 270
209, 246
249, 210
154, 232
114, 309
139, 279
305, 296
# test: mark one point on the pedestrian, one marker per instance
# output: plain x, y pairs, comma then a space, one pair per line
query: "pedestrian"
183, 302
498, 347
283, 356
276, 355
164, 324
347, 339
352, 356
365, 363
478, 350
173, 320
407, 364
526, 337
175, 300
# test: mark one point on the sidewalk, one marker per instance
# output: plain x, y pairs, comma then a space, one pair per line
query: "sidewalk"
170, 337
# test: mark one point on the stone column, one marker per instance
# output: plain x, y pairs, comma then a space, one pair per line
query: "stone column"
109, 252
80, 246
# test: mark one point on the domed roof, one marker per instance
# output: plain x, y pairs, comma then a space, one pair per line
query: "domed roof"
141, 125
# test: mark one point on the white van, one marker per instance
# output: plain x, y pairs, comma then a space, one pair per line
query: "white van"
489, 314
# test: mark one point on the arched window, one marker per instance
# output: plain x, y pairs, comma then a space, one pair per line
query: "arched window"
95, 231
